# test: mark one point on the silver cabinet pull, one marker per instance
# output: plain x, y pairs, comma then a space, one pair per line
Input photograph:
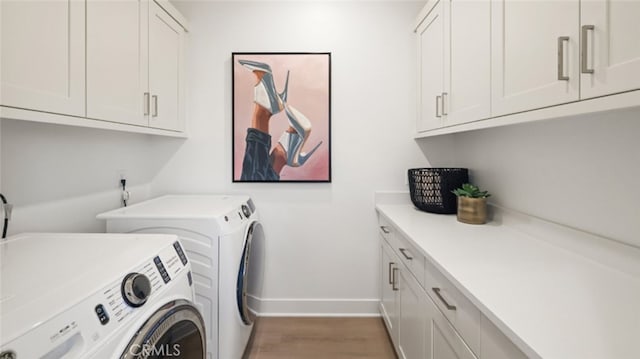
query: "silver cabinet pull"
393, 283
391, 264
385, 229
444, 108
154, 98
561, 42
449, 306
584, 53
438, 106
146, 104
404, 253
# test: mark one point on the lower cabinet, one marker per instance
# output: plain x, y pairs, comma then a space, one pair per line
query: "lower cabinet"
418, 327
413, 317
389, 295
445, 343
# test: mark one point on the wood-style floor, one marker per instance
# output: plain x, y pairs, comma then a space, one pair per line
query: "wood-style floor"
319, 338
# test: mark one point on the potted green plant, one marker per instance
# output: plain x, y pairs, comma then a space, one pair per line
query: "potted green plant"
472, 204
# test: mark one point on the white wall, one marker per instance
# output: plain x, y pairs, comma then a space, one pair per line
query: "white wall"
581, 172
322, 243
60, 177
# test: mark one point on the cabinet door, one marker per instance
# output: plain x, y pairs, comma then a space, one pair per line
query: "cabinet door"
430, 68
534, 54
611, 47
117, 60
444, 340
166, 39
412, 317
467, 61
43, 55
389, 293
496, 345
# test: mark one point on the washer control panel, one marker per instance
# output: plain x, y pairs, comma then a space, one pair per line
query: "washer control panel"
121, 299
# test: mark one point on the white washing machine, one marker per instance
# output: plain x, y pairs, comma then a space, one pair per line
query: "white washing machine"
224, 240
98, 296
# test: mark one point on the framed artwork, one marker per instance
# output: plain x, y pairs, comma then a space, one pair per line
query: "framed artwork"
281, 116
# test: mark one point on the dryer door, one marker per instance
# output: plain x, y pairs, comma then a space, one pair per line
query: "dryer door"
249, 286
175, 330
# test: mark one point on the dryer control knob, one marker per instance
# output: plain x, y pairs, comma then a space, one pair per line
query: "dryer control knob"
246, 211
136, 289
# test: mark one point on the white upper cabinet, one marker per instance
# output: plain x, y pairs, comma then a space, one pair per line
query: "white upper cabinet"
166, 39
430, 67
43, 55
610, 61
454, 63
535, 47
467, 61
94, 63
117, 61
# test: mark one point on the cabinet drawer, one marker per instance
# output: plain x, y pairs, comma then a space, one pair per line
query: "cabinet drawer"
409, 255
462, 314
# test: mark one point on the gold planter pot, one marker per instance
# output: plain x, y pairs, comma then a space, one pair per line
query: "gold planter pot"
472, 210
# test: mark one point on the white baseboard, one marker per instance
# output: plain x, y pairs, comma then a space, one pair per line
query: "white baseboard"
297, 307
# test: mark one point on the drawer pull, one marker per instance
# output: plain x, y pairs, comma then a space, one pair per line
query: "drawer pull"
391, 264
561, 42
449, 306
146, 104
385, 229
393, 284
404, 253
154, 99
584, 49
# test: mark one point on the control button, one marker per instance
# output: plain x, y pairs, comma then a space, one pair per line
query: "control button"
163, 272
178, 248
136, 289
189, 278
103, 317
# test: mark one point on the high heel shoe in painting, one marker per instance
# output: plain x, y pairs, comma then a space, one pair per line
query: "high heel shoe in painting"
264, 93
293, 142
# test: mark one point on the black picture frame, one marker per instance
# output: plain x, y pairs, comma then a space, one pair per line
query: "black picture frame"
284, 98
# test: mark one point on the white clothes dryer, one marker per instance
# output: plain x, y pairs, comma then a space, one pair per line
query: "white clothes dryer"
97, 296
224, 239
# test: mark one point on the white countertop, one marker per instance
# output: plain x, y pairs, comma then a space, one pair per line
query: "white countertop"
552, 302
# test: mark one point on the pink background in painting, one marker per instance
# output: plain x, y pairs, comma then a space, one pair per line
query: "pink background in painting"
308, 93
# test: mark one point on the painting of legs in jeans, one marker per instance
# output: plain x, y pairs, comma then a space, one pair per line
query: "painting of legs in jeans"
281, 117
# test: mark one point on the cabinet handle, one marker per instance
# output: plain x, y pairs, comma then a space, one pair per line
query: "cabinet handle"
449, 306
584, 53
404, 253
438, 106
155, 106
561, 42
391, 264
393, 283
146, 104
385, 229
444, 108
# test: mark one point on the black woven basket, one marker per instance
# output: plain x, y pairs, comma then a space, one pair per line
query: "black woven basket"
430, 188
